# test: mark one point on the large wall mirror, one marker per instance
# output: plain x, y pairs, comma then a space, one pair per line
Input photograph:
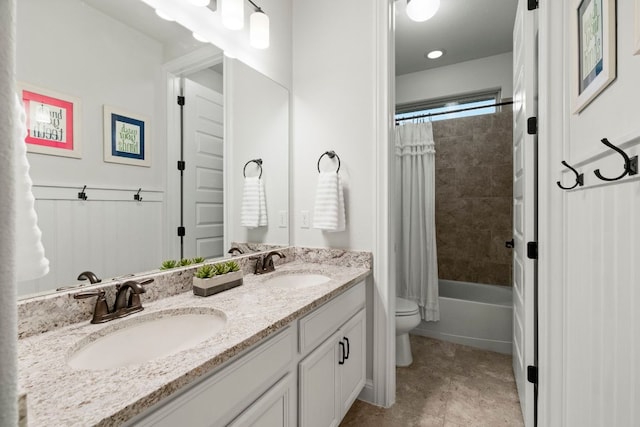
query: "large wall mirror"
119, 56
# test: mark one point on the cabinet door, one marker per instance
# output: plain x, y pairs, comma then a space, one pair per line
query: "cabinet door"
318, 384
275, 408
352, 372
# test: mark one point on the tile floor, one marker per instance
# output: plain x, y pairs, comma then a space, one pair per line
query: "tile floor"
448, 385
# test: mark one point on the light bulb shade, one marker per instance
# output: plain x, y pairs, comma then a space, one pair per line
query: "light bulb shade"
232, 12
200, 3
259, 30
421, 10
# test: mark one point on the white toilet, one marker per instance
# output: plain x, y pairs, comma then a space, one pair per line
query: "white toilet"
407, 318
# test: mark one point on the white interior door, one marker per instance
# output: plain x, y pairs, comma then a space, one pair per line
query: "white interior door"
203, 208
524, 204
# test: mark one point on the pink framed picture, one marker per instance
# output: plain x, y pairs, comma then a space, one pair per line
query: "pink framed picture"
52, 122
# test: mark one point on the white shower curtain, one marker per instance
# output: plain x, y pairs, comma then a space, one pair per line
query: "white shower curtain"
417, 265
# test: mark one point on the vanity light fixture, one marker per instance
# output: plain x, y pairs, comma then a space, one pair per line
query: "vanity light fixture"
422, 10
259, 29
232, 12
434, 54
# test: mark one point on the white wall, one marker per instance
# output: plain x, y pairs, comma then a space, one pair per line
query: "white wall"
257, 135
73, 49
333, 99
490, 73
601, 331
340, 59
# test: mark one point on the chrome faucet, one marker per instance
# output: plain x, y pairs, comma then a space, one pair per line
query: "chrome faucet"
265, 264
122, 306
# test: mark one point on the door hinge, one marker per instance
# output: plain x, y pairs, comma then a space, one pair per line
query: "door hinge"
181, 231
532, 125
532, 250
532, 4
532, 374
180, 100
181, 165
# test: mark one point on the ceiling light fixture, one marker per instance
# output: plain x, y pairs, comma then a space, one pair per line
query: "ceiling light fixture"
164, 15
422, 10
232, 12
259, 29
434, 54
200, 3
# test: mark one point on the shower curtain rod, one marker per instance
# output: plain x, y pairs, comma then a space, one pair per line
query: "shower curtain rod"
419, 116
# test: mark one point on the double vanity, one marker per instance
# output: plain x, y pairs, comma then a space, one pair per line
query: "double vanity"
285, 348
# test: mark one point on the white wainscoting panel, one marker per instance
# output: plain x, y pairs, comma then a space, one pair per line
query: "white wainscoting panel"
109, 234
602, 323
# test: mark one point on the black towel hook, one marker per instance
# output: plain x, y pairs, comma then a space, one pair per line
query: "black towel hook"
256, 161
579, 178
331, 155
137, 196
82, 195
630, 164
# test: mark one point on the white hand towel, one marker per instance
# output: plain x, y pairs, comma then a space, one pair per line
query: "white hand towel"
31, 262
329, 211
253, 212
262, 211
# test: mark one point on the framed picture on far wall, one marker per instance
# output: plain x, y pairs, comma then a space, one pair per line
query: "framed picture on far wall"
53, 124
126, 137
593, 43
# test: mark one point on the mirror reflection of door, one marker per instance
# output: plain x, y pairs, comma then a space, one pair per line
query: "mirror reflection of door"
202, 190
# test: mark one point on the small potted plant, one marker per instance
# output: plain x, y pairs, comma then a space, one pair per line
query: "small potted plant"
213, 278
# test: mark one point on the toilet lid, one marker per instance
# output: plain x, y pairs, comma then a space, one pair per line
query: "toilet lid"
405, 307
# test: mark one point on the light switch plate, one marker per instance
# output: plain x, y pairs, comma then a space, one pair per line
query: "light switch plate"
305, 219
283, 219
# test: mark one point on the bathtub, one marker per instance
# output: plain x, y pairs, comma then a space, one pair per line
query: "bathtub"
473, 314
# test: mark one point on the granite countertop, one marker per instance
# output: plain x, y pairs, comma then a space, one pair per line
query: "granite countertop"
60, 395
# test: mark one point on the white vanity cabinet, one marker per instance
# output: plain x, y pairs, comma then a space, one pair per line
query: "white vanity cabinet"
234, 389
308, 374
332, 375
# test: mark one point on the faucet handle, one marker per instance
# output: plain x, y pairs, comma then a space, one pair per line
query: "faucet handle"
88, 294
101, 309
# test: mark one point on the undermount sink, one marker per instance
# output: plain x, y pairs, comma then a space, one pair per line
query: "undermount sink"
297, 280
138, 340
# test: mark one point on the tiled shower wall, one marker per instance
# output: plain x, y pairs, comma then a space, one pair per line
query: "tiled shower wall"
474, 188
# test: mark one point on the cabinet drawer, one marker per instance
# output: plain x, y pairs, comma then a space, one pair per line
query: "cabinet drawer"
220, 398
323, 322
275, 408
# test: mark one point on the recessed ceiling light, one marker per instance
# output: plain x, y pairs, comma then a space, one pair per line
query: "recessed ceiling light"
434, 54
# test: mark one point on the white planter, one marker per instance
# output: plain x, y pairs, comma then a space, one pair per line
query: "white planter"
213, 285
